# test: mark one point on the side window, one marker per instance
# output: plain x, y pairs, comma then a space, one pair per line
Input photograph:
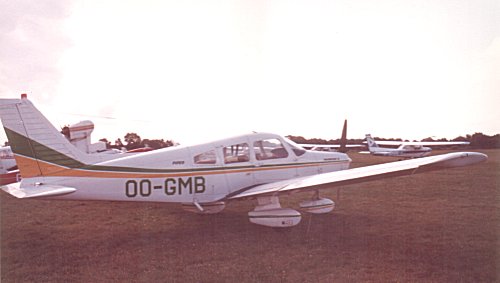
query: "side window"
208, 157
269, 149
297, 149
236, 153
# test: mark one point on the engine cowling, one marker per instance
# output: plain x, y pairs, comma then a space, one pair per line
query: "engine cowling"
317, 206
208, 208
279, 217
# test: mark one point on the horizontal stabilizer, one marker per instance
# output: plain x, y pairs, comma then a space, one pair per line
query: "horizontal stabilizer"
36, 191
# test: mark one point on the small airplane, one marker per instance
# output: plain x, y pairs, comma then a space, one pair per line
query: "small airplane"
203, 177
7, 161
79, 135
405, 149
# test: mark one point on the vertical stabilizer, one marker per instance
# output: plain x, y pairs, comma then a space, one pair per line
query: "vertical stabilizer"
343, 138
39, 148
372, 145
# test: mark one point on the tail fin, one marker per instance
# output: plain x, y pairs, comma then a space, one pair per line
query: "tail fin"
343, 138
372, 145
39, 148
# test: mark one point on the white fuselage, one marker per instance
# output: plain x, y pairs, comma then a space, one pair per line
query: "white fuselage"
202, 173
7, 161
405, 151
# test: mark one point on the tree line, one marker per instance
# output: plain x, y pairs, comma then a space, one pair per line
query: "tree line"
477, 140
134, 141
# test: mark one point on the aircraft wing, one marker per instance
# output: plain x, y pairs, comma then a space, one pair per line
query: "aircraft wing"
364, 174
380, 153
420, 143
36, 191
304, 145
436, 143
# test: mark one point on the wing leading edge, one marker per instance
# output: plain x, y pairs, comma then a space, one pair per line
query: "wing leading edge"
364, 174
421, 143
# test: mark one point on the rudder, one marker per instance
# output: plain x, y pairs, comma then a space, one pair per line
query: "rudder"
371, 143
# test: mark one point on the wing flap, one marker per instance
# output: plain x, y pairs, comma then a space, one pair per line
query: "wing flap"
368, 173
36, 191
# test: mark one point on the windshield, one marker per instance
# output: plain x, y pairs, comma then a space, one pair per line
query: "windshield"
297, 149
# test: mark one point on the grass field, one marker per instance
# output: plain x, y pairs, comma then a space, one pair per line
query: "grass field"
442, 226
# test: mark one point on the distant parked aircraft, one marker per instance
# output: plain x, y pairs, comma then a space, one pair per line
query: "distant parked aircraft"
405, 149
8, 168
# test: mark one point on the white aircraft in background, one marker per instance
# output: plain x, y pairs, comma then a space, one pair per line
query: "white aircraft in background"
203, 178
7, 161
8, 168
80, 134
405, 149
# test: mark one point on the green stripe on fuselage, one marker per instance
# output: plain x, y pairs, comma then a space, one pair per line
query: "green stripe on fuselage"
27, 147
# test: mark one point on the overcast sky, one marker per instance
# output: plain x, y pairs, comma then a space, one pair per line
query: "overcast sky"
200, 70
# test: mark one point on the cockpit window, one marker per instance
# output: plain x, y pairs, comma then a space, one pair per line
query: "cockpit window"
236, 153
297, 149
269, 149
208, 157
